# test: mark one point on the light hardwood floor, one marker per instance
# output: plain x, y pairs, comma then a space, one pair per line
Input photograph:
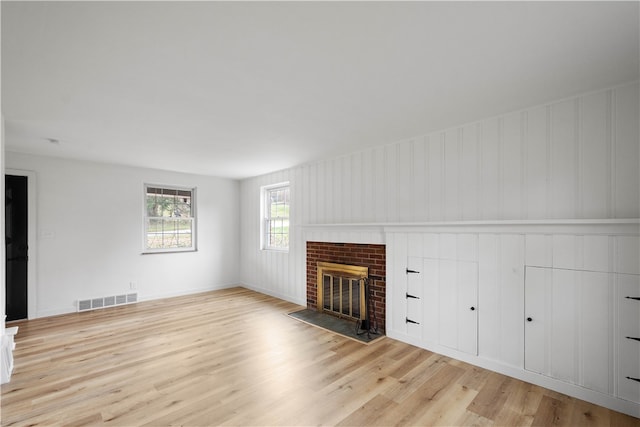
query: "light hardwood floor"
233, 357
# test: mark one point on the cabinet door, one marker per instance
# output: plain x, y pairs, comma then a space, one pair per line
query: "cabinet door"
448, 298
413, 296
468, 307
458, 296
568, 326
536, 291
628, 288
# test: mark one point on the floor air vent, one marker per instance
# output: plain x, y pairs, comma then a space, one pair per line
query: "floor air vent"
104, 302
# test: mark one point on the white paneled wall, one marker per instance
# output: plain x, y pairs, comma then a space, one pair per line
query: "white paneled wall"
576, 158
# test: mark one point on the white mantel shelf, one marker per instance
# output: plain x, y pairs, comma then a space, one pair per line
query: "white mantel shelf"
580, 226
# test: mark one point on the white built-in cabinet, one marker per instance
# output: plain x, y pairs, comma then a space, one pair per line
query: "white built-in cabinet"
552, 304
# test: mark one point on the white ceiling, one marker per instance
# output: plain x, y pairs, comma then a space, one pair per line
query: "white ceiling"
238, 89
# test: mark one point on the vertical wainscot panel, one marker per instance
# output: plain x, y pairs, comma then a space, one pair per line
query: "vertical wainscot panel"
490, 177
563, 160
627, 153
420, 187
596, 155
435, 178
469, 173
537, 162
452, 210
511, 171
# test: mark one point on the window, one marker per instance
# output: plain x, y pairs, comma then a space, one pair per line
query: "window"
275, 214
169, 223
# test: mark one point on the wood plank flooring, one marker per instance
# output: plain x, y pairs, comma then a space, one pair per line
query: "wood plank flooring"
232, 357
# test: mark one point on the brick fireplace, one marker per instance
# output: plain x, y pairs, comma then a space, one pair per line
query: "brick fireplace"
367, 255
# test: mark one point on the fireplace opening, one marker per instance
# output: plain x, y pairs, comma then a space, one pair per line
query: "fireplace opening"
341, 290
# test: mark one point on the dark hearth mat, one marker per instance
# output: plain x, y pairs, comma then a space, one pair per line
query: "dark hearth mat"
344, 327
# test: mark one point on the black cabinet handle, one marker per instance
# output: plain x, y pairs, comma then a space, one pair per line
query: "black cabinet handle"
633, 338
529, 319
408, 295
635, 298
412, 271
472, 308
411, 321
634, 379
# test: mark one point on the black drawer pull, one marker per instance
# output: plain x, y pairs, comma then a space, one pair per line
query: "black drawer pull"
634, 379
633, 338
411, 321
635, 298
412, 271
411, 296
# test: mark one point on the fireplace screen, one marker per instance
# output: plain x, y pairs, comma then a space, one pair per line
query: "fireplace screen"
341, 290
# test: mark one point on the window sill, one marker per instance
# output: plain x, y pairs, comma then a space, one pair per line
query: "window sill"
167, 251
275, 250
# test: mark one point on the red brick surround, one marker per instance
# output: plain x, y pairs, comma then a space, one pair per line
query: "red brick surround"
372, 256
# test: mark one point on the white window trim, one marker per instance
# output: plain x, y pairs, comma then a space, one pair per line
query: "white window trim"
263, 218
194, 234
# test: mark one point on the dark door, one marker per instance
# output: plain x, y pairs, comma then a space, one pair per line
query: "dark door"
16, 244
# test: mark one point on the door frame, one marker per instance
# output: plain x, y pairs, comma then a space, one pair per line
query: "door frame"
32, 300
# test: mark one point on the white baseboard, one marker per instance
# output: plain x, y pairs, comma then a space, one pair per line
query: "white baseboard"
302, 302
142, 296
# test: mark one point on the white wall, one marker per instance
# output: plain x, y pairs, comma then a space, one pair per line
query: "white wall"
89, 222
575, 158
